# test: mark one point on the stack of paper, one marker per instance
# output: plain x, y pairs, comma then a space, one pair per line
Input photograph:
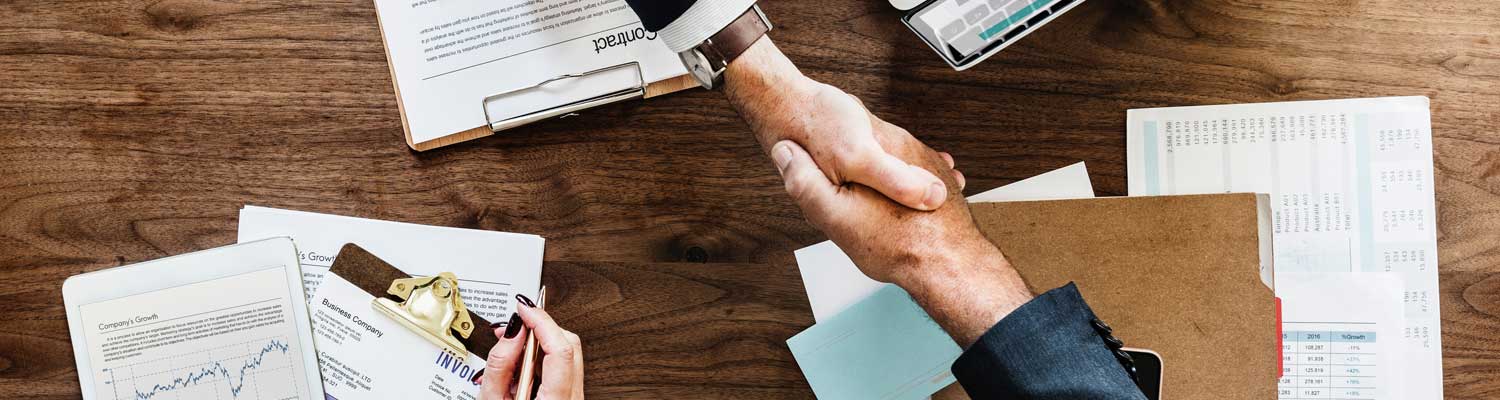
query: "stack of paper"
366, 355
1355, 254
266, 318
1352, 187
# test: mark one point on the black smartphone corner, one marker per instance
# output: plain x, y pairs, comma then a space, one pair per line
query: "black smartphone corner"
1148, 370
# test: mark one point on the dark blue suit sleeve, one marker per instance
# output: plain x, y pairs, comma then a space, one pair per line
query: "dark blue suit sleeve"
1048, 348
656, 14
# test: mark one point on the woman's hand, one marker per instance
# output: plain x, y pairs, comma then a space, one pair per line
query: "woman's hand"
561, 365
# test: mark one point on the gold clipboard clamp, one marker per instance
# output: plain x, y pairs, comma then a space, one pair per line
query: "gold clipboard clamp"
638, 90
431, 307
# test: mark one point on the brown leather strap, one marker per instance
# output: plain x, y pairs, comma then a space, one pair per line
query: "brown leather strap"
734, 39
374, 276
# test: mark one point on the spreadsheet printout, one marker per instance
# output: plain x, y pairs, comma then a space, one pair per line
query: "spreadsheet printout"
1336, 336
1351, 183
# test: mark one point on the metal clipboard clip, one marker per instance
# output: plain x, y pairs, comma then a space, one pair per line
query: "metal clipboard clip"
431, 307
637, 90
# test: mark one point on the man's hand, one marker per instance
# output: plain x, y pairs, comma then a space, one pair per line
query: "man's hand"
780, 103
844, 166
939, 257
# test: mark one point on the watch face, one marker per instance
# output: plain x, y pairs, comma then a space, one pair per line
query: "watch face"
697, 65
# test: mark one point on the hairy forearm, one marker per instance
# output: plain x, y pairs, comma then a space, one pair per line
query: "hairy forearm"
764, 86
965, 284
966, 289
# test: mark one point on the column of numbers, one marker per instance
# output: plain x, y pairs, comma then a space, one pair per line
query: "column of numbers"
1287, 386
1353, 365
1313, 365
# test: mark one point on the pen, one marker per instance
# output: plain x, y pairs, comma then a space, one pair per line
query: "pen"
528, 354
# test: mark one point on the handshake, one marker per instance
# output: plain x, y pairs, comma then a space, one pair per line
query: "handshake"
892, 203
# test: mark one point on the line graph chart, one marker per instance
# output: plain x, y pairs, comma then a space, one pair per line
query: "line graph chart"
250, 370
237, 337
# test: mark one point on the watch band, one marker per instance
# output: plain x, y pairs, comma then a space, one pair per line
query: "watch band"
733, 40
708, 60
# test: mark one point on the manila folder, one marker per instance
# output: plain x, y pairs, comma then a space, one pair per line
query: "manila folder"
1178, 275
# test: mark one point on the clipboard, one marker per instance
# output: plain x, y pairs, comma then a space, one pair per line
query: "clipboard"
375, 276
638, 89
662, 82
643, 90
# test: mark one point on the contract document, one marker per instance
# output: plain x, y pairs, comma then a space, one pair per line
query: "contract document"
447, 56
1351, 184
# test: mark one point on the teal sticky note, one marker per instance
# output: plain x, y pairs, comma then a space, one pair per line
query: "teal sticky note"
884, 347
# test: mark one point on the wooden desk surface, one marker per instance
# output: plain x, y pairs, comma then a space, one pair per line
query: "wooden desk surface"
132, 130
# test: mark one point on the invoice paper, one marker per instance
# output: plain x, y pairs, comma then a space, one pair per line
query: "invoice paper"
1351, 184
1340, 338
367, 355
448, 55
364, 354
492, 267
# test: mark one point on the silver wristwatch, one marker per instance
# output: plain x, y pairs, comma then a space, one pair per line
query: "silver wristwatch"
707, 61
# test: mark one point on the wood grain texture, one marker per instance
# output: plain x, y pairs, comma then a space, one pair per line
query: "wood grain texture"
135, 129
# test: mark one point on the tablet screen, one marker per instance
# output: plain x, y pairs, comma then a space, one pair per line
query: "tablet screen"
965, 32
235, 334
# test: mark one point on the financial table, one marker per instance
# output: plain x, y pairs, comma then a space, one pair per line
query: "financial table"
1330, 364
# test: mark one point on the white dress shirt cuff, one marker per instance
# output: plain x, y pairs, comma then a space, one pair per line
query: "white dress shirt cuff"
702, 20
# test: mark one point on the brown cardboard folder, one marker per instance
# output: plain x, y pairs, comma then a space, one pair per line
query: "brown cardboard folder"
374, 276
1175, 274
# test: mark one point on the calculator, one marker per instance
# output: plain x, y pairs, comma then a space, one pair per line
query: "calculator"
965, 32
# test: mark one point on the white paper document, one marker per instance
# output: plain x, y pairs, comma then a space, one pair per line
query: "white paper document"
492, 267
367, 355
833, 282
1341, 336
362, 353
448, 55
1351, 183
